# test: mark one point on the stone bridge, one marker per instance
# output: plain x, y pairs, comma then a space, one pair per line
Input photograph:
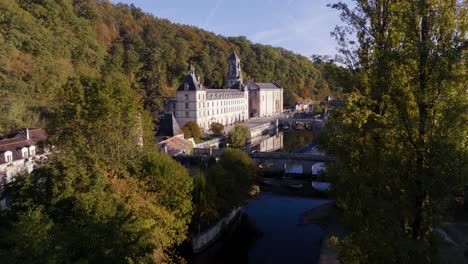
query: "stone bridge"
277, 161
280, 162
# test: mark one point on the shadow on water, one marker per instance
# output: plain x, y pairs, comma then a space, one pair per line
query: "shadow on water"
268, 232
233, 247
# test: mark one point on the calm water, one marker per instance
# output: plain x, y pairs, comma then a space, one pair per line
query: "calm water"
269, 233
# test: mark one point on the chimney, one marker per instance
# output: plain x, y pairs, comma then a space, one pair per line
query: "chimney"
26, 133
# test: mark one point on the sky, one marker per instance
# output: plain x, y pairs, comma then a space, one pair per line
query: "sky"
302, 26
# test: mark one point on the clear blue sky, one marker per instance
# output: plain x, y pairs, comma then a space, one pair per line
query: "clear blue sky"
302, 26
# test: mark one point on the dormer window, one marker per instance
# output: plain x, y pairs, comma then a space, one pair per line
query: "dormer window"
24, 152
32, 150
8, 155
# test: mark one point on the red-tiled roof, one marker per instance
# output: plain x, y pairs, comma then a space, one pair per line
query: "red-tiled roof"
176, 145
37, 135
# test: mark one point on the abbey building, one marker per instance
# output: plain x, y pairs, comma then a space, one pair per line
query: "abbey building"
236, 102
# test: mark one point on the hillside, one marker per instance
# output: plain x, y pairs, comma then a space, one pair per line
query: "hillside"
46, 43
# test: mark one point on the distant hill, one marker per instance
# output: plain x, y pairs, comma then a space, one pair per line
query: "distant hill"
45, 43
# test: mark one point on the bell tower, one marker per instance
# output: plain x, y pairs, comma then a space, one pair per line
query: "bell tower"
234, 76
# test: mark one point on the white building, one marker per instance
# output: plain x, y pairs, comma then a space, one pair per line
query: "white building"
20, 154
265, 99
235, 103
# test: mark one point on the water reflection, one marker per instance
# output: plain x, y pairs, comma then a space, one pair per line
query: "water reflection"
269, 232
287, 141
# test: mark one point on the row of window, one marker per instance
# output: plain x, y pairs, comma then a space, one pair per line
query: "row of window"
215, 96
202, 105
25, 153
222, 111
213, 112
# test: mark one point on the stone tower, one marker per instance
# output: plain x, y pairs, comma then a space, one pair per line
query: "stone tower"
234, 77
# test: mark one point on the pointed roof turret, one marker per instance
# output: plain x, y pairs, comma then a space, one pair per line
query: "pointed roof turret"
191, 82
234, 76
169, 127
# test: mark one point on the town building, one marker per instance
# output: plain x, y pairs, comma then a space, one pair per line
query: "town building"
20, 153
236, 102
265, 99
170, 137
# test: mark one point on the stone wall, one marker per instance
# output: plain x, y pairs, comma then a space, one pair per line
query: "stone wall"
204, 239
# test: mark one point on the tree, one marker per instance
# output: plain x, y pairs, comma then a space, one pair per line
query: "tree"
192, 130
217, 128
68, 212
38, 57
400, 140
204, 199
31, 233
108, 198
318, 109
232, 178
238, 136
172, 187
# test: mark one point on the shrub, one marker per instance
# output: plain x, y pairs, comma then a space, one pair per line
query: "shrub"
217, 128
192, 130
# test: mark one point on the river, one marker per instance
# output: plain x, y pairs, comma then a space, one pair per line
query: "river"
269, 232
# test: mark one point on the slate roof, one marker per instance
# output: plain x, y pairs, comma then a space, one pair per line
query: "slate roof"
226, 90
271, 85
190, 82
18, 141
168, 126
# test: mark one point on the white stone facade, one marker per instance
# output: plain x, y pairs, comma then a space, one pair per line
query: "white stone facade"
19, 155
237, 102
225, 106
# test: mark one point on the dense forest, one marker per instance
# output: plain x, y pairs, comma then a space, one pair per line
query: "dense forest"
92, 74
401, 137
45, 43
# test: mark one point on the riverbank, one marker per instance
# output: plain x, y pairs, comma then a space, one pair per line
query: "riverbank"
329, 217
268, 232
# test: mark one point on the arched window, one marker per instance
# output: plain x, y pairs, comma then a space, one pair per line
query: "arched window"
8, 156
32, 150
24, 152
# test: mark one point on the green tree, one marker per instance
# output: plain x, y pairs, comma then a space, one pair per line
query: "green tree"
217, 128
192, 130
31, 233
318, 109
232, 178
204, 199
238, 136
171, 185
45, 43
109, 198
78, 218
400, 140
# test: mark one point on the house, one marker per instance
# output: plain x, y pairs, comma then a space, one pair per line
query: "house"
236, 102
21, 153
168, 127
301, 107
170, 137
176, 146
